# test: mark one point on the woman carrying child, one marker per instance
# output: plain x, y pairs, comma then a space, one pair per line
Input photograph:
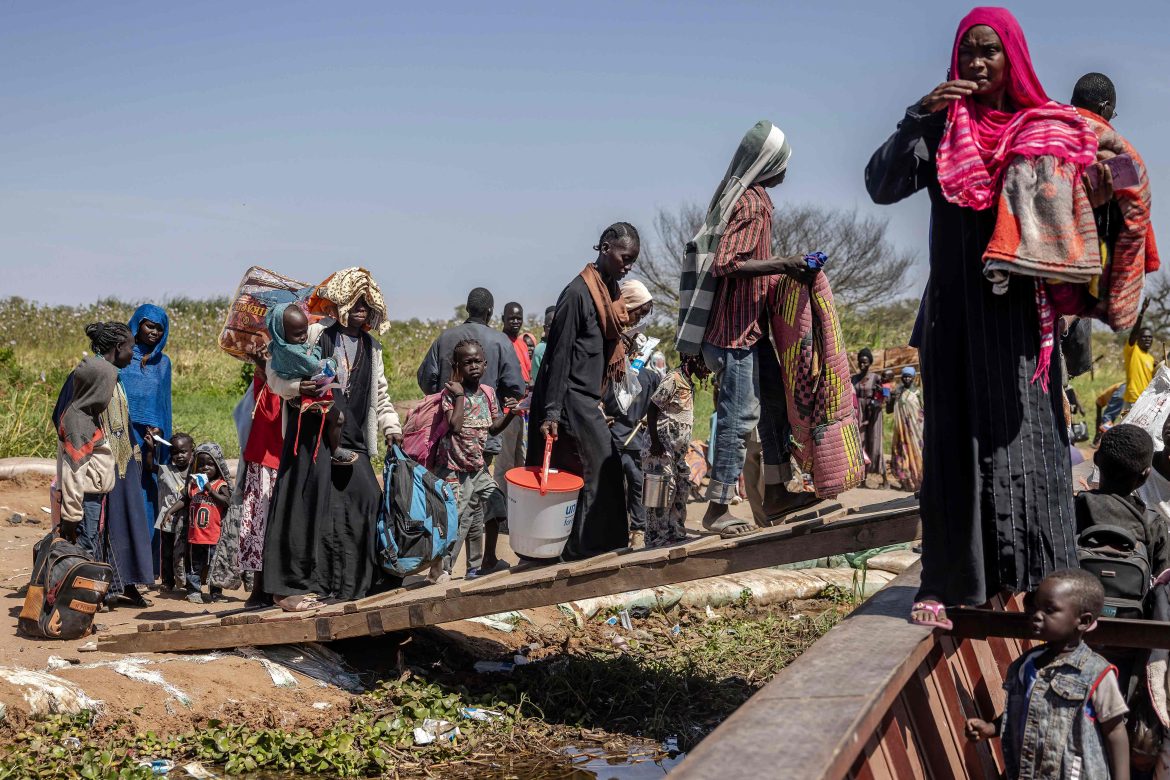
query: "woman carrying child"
147, 380
473, 414
584, 353
124, 538
320, 536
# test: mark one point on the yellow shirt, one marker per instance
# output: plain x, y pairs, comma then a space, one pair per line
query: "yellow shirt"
1139, 370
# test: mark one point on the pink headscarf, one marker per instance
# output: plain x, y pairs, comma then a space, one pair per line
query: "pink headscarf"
980, 141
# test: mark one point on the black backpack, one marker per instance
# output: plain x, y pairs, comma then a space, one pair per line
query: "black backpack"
1122, 565
65, 591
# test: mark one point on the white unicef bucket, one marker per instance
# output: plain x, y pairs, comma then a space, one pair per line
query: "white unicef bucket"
541, 507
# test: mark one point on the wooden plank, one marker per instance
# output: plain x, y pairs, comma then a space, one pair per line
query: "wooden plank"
933, 737
960, 706
815, 717
909, 738
894, 747
1110, 632
427, 607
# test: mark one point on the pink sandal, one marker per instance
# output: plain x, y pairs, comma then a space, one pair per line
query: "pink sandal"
934, 608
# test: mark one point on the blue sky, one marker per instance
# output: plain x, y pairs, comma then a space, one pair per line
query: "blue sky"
156, 149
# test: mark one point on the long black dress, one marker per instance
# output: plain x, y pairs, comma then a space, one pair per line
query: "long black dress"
997, 490
321, 528
568, 390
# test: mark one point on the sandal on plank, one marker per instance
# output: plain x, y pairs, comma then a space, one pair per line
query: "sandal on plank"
729, 527
298, 603
934, 608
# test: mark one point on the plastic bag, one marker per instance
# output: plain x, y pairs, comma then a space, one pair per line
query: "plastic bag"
1150, 410
244, 331
627, 388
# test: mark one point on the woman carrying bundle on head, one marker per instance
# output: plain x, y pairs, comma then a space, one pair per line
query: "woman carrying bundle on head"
320, 534
583, 354
997, 488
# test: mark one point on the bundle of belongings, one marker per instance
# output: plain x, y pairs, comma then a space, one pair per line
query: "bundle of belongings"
819, 393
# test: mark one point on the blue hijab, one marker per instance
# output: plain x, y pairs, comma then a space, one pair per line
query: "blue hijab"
147, 379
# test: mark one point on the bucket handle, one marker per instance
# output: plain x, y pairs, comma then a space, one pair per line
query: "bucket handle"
548, 445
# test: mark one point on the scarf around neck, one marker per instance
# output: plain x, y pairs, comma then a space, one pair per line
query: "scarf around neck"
979, 142
611, 316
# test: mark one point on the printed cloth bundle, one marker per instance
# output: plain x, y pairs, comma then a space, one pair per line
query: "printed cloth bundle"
1044, 226
817, 386
1128, 249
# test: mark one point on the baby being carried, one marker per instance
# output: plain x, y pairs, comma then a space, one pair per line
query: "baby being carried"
292, 357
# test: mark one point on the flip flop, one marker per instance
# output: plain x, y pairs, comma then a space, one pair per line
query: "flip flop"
934, 608
729, 527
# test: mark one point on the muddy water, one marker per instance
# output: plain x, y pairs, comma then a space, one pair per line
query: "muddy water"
588, 764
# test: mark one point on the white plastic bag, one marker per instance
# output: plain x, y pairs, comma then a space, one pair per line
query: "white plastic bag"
627, 388
1150, 410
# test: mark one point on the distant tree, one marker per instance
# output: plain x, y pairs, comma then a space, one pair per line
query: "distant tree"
865, 268
1158, 315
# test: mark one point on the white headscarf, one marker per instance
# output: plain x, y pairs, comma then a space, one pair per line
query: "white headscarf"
634, 294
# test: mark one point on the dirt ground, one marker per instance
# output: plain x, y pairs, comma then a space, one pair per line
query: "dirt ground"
230, 687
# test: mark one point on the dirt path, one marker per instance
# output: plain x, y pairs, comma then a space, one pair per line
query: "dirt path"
228, 687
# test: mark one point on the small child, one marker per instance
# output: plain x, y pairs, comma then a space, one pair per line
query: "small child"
1124, 461
1065, 715
172, 477
207, 496
473, 414
669, 420
292, 357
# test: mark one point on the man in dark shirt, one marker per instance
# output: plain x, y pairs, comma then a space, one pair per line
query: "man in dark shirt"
502, 372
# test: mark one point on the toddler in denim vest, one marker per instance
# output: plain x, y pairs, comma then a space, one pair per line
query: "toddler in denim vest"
1065, 715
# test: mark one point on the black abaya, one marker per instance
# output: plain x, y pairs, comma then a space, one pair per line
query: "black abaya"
568, 390
320, 536
997, 489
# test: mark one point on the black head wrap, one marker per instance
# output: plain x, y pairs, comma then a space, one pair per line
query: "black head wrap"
105, 336
865, 352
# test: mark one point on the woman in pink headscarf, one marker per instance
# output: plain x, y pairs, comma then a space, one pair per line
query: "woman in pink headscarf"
997, 485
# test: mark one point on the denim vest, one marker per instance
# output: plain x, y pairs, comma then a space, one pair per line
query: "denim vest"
1047, 735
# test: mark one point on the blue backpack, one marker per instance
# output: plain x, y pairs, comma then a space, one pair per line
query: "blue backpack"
418, 521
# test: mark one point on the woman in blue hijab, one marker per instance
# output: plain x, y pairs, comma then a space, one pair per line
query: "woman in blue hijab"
147, 381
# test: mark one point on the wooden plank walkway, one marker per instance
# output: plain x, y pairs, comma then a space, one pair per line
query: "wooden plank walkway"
829, 532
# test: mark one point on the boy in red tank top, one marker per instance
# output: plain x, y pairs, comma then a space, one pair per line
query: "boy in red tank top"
207, 496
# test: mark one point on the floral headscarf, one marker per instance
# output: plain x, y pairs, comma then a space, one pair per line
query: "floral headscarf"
343, 289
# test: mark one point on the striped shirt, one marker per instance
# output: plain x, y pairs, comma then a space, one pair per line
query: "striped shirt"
737, 318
